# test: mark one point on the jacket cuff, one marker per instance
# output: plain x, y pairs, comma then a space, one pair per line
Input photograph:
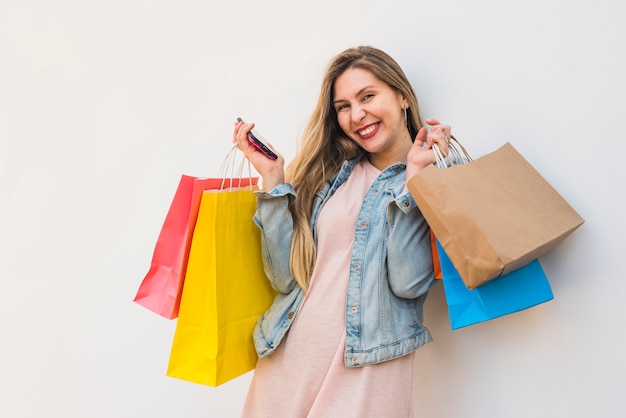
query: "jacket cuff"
280, 190
405, 201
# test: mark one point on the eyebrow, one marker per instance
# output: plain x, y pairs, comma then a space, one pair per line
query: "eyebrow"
358, 93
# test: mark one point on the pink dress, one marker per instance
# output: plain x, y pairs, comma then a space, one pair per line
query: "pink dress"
306, 375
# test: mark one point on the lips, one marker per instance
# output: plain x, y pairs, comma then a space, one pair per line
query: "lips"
368, 131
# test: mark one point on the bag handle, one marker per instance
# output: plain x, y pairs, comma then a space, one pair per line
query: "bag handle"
457, 154
228, 167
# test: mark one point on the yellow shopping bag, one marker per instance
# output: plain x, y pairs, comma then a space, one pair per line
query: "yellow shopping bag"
224, 294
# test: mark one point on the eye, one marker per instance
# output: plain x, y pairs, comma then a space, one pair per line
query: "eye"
341, 107
366, 97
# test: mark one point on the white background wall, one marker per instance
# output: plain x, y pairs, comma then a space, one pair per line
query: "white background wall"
103, 105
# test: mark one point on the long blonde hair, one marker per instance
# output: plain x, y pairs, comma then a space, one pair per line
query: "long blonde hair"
324, 146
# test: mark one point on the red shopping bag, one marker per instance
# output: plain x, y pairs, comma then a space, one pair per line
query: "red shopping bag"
436, 262
161, 288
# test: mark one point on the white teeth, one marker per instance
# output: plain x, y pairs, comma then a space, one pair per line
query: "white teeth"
367, 130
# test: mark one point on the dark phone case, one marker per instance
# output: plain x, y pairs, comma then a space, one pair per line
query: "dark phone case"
261, 146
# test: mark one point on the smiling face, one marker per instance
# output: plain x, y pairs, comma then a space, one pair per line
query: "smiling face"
371, 114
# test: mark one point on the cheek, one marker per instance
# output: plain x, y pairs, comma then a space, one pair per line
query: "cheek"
343, 118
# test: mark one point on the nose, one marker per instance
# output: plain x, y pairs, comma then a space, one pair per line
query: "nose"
357, 113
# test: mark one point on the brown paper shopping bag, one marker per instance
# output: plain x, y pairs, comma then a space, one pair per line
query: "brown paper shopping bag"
492, 215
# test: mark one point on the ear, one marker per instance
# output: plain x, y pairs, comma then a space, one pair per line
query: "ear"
405, 103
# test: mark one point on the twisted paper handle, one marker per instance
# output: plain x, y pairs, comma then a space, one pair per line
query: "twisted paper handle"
228, 166
457, 154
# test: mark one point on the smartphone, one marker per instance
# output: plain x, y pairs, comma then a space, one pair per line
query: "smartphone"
260, 143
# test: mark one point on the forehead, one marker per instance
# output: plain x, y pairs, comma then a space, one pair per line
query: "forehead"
354, 80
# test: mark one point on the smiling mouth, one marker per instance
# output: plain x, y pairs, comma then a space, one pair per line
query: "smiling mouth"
367, 130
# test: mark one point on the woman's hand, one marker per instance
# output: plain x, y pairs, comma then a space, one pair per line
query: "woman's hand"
421, 153
271, 171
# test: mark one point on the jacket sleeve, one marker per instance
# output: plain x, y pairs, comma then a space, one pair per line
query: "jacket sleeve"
276, 223
409, 251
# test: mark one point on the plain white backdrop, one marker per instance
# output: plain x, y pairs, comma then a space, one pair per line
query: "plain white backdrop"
103, 105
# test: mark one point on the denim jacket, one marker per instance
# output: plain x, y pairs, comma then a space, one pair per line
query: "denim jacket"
391, 269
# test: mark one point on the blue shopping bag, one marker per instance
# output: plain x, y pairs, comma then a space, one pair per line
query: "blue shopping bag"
518, 290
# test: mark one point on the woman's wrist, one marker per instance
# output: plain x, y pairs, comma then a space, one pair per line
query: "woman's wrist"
270, 182
413, 169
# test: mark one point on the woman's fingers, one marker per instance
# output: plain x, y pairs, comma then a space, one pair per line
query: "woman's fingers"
439, 134
435, 124
240, 137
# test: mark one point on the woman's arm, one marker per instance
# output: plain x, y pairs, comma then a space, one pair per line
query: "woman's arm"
276, 223
409, 252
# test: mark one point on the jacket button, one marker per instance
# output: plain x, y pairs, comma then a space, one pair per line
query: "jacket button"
290, 315
353, 309
406, 204
354, 359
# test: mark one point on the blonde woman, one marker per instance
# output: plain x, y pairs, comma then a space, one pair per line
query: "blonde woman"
347, 249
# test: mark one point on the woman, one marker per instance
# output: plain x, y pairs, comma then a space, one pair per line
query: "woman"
346, 248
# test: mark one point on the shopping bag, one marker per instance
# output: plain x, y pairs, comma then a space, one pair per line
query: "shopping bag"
492, 215
436, 263
520, 289
161, 287
225, 292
